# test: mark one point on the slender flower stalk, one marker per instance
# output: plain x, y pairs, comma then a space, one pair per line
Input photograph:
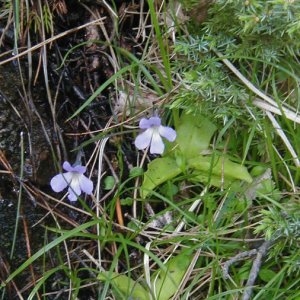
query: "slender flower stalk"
74, 179
152, 133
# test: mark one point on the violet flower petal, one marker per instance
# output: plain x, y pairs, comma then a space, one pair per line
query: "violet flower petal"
67, 166
60, 182
155, 121
143, 140
79, 169
153, 135
72, 195
157, 144
74, 179
144, 123
168, 133
151, 122
74, 188
86, 185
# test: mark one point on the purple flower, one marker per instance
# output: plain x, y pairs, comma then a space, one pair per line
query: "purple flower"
74, 179
153, 131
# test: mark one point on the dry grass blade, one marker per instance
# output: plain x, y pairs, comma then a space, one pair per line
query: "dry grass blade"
49, 41
6, 164
285, 140
268, 103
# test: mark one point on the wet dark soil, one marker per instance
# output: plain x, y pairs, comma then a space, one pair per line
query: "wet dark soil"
77, 64
19, 125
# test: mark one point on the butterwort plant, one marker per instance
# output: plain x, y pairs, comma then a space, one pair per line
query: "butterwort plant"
152, 135
74, 179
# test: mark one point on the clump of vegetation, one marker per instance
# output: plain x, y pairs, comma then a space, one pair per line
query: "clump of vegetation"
200, 201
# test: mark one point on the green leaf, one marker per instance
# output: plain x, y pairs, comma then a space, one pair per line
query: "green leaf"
206, 178
126, 201
159, 171
262, 184
109, 182
215, 169
125, 285
219, 167
194, 134
266, 275
136, 171
166, 281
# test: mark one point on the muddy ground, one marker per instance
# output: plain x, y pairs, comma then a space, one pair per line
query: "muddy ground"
76, 65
